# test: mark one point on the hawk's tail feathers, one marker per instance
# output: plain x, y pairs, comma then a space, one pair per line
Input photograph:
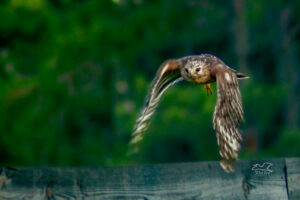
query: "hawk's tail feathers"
241, 76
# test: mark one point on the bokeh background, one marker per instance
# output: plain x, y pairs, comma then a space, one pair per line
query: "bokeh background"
74, 75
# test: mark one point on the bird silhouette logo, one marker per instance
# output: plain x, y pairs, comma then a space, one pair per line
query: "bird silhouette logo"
262, 169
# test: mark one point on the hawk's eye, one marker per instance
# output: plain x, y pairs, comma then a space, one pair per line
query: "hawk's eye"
197, 69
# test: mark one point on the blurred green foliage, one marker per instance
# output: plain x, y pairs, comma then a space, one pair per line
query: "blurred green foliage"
74, 75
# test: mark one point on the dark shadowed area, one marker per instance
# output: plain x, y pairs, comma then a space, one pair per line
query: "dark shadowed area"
74, 75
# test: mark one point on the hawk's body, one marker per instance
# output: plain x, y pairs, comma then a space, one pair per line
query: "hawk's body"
202, 69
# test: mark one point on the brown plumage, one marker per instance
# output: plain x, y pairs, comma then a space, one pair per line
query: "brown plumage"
228, 113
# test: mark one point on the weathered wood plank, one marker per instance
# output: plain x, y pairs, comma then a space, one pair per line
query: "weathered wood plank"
293, 177
262, 179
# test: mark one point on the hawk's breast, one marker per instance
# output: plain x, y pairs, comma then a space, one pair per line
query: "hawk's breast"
204, 79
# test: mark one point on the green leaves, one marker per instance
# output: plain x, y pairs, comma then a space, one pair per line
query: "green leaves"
74, 75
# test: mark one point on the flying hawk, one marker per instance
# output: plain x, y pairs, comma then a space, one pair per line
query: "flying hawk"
228, 113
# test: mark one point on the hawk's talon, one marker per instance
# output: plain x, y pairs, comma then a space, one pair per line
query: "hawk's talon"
208, 89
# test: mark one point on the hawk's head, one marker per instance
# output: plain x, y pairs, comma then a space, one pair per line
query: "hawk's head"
197, 69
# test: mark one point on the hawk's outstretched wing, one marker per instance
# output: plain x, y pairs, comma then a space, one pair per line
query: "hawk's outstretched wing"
167, 75
228, 115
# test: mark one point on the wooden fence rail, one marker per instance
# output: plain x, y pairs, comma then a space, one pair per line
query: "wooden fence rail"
253, 179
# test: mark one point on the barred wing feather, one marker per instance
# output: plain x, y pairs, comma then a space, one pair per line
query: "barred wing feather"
167, 75
228, 115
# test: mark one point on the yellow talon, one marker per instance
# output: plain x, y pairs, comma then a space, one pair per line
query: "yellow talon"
208, 89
